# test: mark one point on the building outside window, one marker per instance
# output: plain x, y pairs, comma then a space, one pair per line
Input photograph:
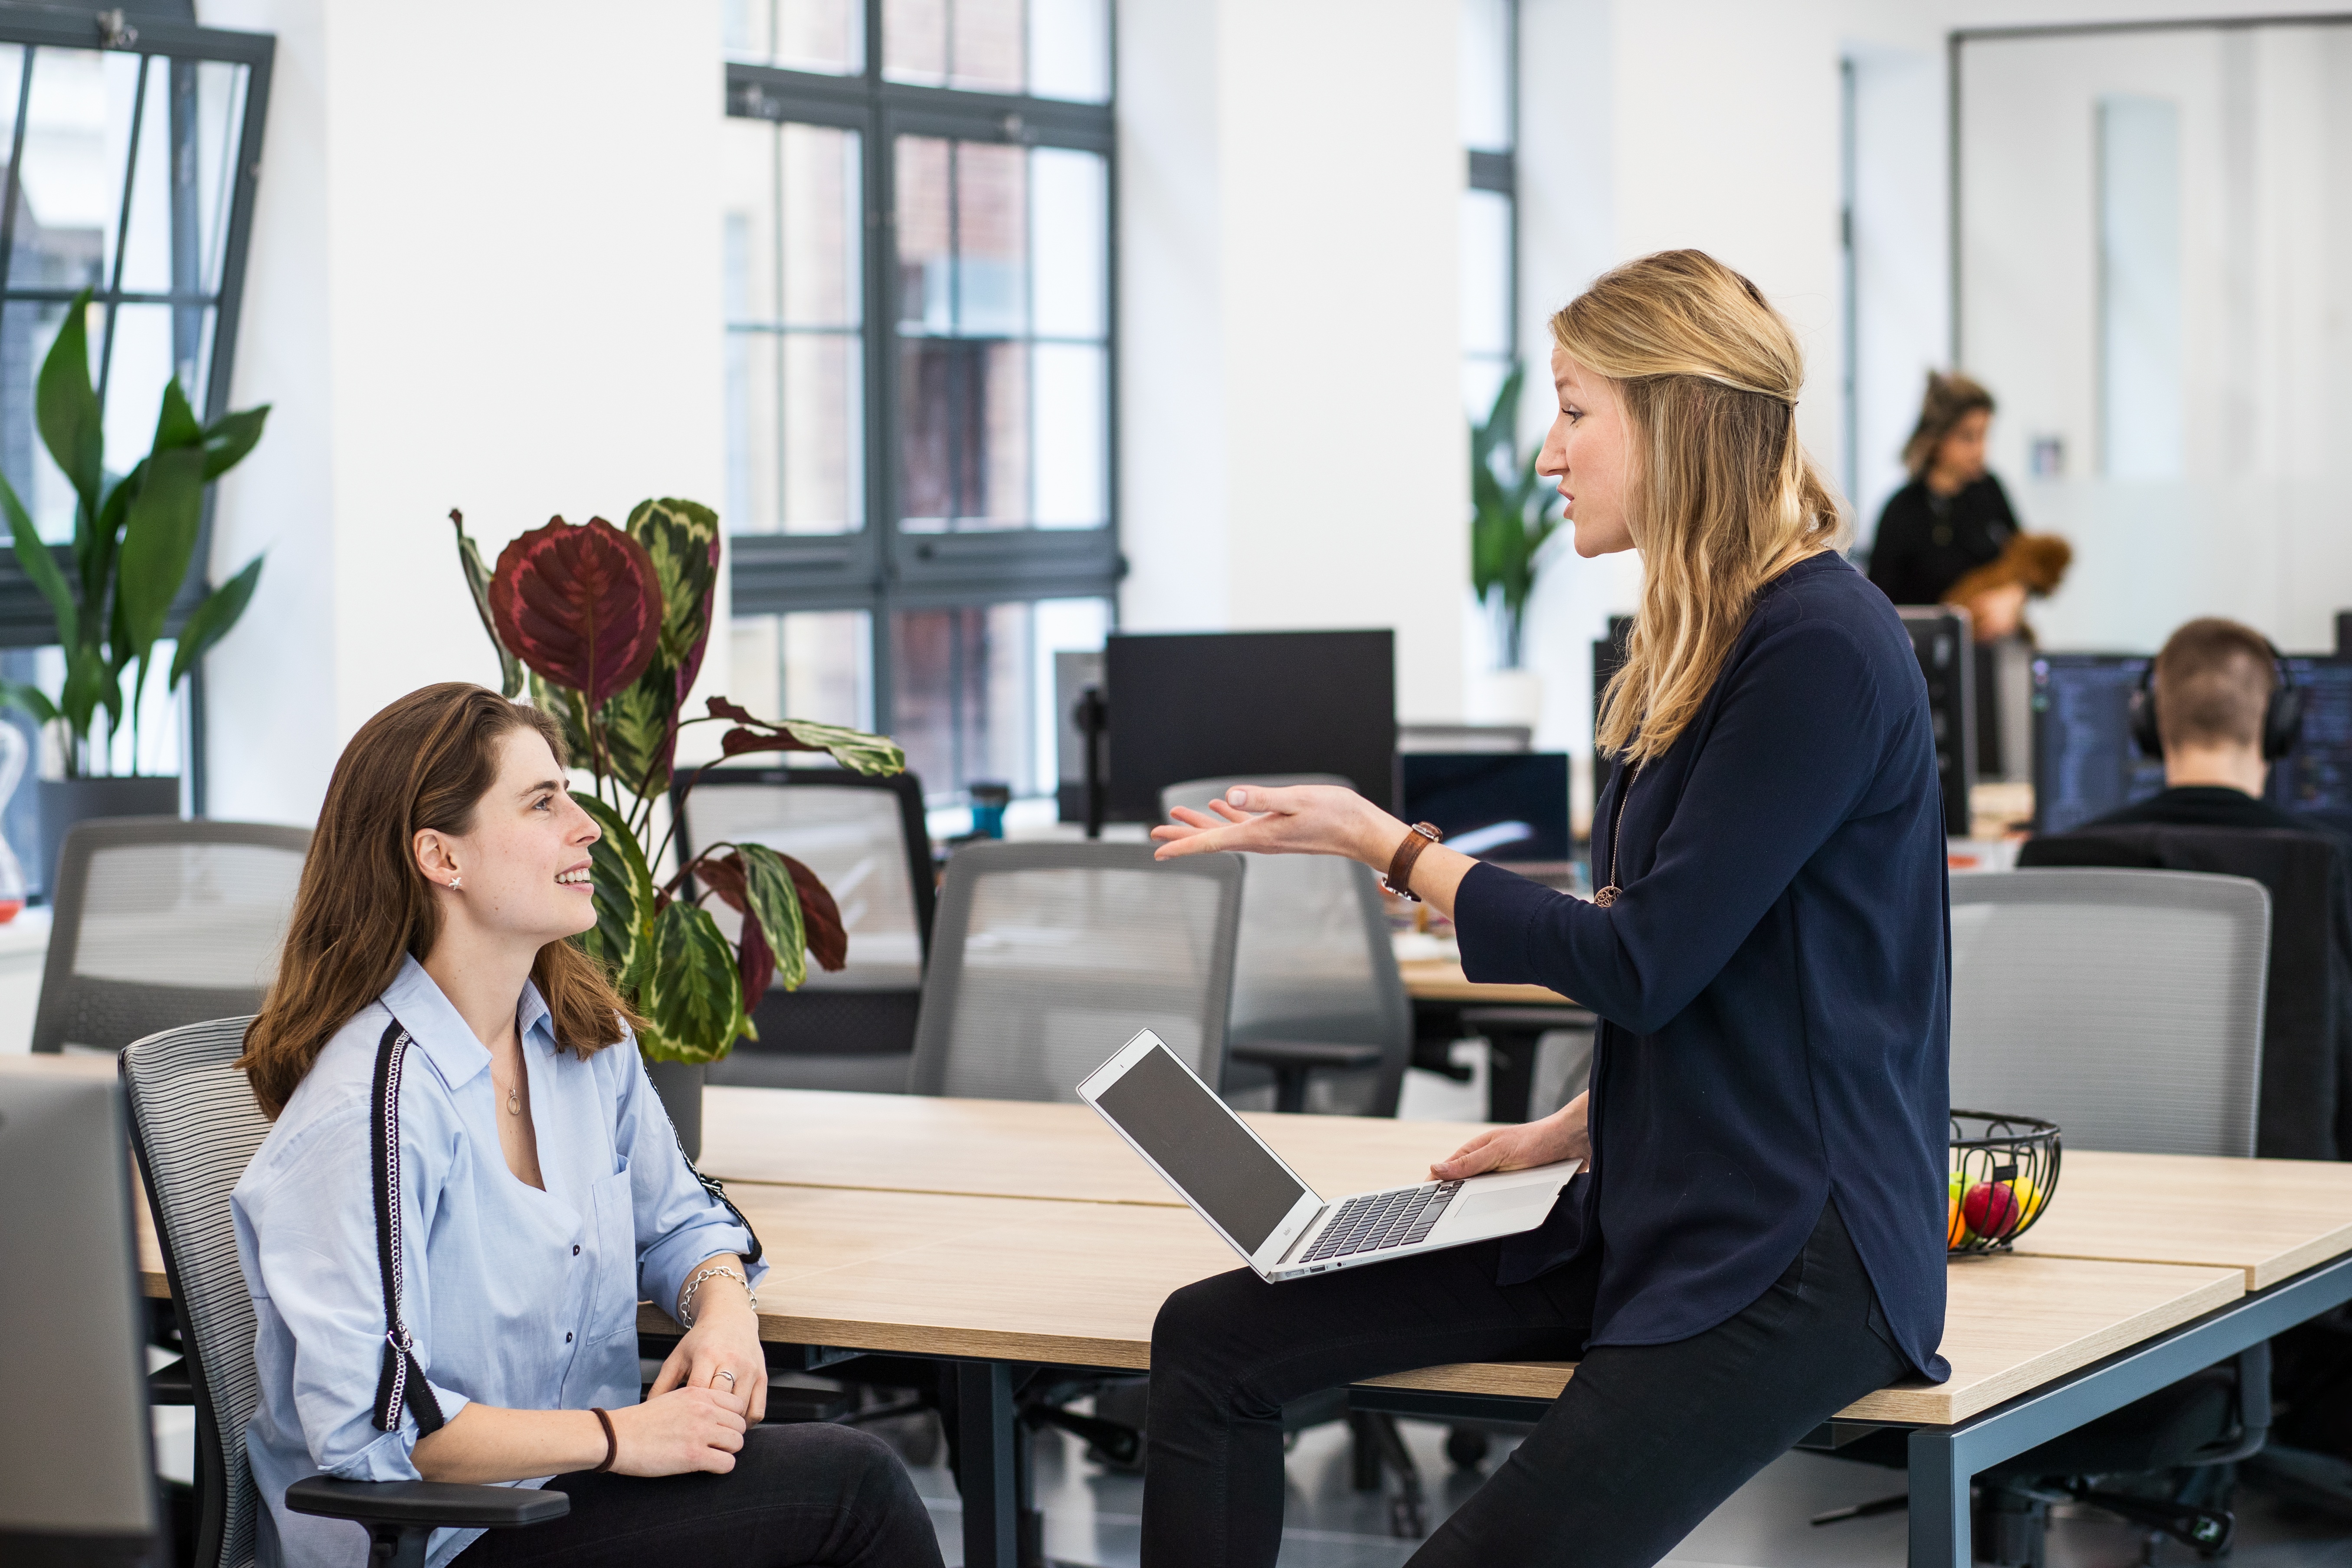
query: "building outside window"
918, 293
130, 154
1490, 225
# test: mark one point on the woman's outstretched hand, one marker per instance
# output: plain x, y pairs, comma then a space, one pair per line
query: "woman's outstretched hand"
1562, 1135
1296, 819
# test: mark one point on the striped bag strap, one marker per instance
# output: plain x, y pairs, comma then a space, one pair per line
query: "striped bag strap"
718, 1190
403, 1380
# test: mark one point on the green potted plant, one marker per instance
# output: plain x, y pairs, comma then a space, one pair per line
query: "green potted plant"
1513, 515
134, 538
607, 626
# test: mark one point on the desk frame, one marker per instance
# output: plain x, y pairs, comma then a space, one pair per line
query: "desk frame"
1943, 1459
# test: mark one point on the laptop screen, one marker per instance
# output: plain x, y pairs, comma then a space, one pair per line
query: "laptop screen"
1201, 1147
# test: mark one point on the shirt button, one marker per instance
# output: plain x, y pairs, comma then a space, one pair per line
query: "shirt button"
567, 1339
575, 1250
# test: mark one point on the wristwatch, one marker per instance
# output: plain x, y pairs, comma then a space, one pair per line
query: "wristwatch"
1399, 880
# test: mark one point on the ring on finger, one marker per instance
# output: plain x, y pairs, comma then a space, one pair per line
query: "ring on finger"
730, 1376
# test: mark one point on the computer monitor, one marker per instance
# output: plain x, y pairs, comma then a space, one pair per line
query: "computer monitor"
1506, 806
1940, 639
2084, 764
1216, 704
1608, 658
2317, 776
77, 1478
2343, 634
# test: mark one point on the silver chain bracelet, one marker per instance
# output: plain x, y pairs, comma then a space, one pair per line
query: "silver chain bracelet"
717, 1270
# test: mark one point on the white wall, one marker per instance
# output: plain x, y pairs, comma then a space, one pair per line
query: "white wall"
484, 274
1294, 453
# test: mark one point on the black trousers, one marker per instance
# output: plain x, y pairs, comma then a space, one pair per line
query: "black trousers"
799, 1496
1643, 1443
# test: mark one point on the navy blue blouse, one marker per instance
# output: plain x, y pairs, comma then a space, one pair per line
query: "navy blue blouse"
1772, 983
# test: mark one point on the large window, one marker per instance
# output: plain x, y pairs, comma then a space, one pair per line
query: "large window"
132, 145
919, 297
1490, 224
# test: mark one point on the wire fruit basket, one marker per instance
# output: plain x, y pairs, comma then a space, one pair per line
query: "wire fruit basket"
2003, 1172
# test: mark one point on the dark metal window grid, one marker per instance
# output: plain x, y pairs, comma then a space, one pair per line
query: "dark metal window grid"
25, 621
883, 567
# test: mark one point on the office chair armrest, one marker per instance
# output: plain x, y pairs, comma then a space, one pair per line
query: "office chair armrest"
438, 1504
1292, 1060
1307, 1055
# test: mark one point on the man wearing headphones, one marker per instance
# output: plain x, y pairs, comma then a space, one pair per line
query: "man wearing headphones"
2218, 709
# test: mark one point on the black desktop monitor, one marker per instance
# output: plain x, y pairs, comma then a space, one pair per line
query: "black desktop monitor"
1608, 657
77, 1482
2084, 764
1947, 659
2343, 634
1214, 704
2317, 776
1507, 806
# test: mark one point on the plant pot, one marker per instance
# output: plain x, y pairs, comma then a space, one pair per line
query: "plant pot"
679, 1085
1505, 697
65, 802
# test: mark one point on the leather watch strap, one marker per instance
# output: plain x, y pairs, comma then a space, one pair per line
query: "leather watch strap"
1400, 877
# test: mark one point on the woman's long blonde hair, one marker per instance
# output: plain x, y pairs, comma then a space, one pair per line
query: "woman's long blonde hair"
1722, 497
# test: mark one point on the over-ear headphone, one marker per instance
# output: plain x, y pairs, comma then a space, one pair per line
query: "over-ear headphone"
2282, 716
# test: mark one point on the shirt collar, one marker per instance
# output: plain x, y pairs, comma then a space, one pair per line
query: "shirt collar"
437, 1027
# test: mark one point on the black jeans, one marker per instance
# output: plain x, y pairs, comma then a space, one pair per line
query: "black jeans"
1643, 1443
799, 1496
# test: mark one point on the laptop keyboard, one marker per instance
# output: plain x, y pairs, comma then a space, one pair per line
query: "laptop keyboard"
1379, 1221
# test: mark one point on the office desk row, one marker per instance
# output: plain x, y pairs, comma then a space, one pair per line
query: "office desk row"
996, 1237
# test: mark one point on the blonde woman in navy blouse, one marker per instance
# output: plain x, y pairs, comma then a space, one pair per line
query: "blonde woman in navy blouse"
1760, 1238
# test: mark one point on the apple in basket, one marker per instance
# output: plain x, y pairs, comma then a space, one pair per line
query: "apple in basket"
1999, 1209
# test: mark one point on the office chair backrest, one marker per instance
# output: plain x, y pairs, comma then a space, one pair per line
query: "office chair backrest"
1314, 960
1049, 956
2126, 1006
162, 922
864, 837
2307, 1002
194, 1126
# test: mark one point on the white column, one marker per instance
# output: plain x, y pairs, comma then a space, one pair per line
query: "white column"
484, 274
1294, 452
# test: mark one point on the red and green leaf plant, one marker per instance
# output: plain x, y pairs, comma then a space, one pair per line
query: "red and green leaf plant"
607, 627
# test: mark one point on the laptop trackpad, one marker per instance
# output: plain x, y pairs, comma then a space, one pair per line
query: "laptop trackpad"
1503, 1210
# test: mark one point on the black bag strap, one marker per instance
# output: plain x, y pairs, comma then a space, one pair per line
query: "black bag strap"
403, 1380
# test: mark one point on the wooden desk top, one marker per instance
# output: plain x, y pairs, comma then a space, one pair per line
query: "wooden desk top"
2272, 1218
1442, 980
1080, 1283
1003, 1148
67, 1064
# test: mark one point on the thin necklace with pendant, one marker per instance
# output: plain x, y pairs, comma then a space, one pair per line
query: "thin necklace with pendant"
1608, 895
514, 1100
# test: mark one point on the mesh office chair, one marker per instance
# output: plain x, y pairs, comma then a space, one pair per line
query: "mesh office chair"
162, 922
1050, 956
866, 839
1319, 1007
2307, 1099
2126, 1006
194, 1128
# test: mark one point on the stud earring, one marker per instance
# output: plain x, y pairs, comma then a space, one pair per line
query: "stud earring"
454, 882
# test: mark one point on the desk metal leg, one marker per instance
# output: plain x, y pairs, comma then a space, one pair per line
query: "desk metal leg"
1940, 1502
987, 1428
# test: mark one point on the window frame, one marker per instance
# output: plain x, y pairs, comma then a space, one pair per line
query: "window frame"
1497, 171
882, 568
26, 618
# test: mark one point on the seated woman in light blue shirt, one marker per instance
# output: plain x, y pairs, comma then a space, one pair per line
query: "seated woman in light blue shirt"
541, 1192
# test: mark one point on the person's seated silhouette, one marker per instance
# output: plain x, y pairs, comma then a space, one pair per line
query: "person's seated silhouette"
2218, 707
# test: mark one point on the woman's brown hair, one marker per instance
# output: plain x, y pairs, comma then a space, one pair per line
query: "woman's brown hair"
1723, 497
364, 905
1948, 400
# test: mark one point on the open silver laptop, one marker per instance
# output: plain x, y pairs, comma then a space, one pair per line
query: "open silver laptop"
1259, 1205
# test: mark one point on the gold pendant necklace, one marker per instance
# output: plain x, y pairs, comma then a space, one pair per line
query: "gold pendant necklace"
1608, 895
514, 1101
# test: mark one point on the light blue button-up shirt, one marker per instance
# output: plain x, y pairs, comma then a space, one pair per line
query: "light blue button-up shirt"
519, 1298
